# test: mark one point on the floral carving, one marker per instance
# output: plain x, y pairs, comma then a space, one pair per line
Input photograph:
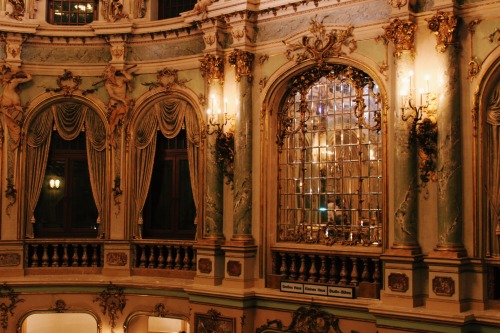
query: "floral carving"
402, 34
67, 83
444, 26
7, 308
111, 301
167, 79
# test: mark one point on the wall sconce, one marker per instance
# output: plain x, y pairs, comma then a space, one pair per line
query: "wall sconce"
224, 140
54, 183
423, 128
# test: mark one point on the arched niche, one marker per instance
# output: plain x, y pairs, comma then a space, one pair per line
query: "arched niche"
56, 322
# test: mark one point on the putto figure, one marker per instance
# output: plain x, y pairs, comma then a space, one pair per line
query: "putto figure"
117, 82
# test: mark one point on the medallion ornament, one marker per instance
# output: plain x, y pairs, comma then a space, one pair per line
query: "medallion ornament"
212, 66
443, 286
166, 79
398, 282
242, 61
444, 26
67, 83
402, 35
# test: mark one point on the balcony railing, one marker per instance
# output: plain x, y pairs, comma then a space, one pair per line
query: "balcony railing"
364, 272
166, 258
63, 253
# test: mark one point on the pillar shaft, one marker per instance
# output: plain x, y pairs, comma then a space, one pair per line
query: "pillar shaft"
405, 170
243, 164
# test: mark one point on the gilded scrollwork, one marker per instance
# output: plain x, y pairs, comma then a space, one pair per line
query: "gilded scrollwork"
242, 61
402, 34
212, 66
321, 45
444, 26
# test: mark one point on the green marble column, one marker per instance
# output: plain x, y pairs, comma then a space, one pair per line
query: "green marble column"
449, 157
214, 177
243, 164
405, 165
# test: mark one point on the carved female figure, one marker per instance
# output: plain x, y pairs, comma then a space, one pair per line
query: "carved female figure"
493, 169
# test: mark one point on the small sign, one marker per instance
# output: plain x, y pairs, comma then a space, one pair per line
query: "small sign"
317, 289
344, 292
292, 287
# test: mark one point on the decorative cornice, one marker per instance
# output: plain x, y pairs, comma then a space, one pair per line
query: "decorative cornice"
402, 34
242, 61
444, 26
212, 67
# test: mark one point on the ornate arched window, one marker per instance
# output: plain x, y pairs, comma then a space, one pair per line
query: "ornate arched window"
330, 159
166, 152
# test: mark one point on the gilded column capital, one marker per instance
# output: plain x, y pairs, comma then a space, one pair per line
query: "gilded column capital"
242, 62
402, 34
444, 26
212, 66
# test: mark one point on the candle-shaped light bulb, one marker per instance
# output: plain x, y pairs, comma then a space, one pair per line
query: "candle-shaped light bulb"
427, 78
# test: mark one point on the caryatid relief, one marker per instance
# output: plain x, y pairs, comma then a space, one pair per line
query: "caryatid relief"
117, 83
10, 102
492, 150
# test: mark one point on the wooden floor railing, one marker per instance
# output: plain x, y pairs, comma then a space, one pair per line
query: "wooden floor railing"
361, 271
63, 253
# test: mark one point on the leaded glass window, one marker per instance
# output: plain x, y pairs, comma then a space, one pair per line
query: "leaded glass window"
330, 159
69, 12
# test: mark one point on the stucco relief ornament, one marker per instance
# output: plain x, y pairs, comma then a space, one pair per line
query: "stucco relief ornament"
402, 35
18, 9
111, 301
67, 83
166, 79
7, 308
112, 10
201, 7
212, 66
10, 102
321, 45
242, 62
444, 26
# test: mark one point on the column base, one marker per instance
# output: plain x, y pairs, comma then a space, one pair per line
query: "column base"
403, 276
239, 266
209, 264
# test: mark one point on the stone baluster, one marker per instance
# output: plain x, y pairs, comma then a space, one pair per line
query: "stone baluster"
354, 272
178, 260
151, 258
85, 257
334, 272
322, 270
282, 271
55, 256
34, 258
185, 260
302, 268
313, 272
161, 258
45, 256
65, 258
343, 272
293, 267
74, 258
95, 258
142, 259
170, 259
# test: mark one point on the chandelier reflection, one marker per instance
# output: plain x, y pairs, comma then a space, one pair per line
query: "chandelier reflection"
224, 138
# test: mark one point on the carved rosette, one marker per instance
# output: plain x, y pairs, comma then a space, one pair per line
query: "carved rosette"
402, 35
212, 66
111, 301
242, 61
444, 26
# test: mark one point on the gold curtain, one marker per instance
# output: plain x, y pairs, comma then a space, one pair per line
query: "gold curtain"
69, 120
493, 169
170, 117
37, 152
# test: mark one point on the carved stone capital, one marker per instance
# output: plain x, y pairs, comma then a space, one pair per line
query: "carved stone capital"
402, 35
242, 62
212, 66
444, 26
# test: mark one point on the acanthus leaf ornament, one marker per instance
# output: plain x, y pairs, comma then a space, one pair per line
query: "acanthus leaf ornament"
402, 35
321, 45
242, 62
111, 301
212, 66
7, 308
444, 26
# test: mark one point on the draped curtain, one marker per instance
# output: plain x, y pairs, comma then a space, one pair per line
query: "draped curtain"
493, 169
69, 119
169, 117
